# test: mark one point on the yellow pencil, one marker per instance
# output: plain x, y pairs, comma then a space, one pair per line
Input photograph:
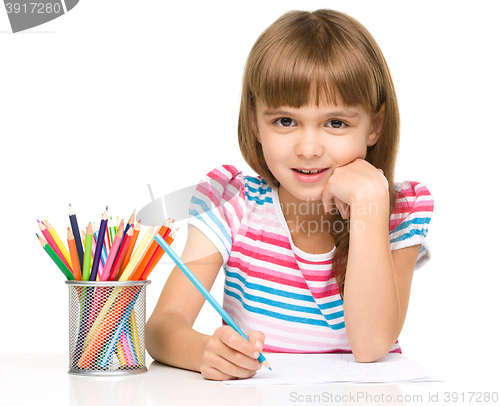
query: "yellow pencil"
137, 254
59, 243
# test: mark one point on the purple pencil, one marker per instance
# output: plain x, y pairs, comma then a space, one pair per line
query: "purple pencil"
98, 246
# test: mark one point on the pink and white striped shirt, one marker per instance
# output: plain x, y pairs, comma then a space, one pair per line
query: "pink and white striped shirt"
270, 284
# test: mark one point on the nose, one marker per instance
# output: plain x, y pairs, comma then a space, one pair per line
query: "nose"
309, 144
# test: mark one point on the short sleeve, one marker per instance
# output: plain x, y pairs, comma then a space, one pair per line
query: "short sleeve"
410, 219
216, 207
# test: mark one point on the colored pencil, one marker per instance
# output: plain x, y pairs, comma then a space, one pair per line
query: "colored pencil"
99, 245
135, 336
74, 256
94, 246
121, 254
76, 233
130, 222
137, 230
149, 252
108, 240
55, 258
119, 328
156, 258
137, 254
52, 243
59, 243
206, 294
112, 231
88, 253
104, 254
112, 254
126, 348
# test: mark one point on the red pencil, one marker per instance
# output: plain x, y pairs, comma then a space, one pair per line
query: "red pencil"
121, 254
137, 230
52, 243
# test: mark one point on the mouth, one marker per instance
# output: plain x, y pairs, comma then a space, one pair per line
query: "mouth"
309, 175
308, 171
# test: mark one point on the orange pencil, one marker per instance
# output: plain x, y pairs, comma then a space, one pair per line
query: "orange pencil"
74, 256
157, 256
137, 230
157, 252
143, 262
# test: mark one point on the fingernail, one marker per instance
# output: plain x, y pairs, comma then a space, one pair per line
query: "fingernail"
255, 355
259, 345
259, 367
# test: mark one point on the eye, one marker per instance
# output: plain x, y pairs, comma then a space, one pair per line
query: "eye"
285, 122
336, 124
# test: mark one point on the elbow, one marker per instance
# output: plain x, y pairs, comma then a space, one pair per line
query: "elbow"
367, 357
370, 351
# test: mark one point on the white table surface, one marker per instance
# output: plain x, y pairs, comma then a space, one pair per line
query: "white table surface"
42, 379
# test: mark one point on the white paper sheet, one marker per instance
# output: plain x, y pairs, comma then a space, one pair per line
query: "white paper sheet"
290, 369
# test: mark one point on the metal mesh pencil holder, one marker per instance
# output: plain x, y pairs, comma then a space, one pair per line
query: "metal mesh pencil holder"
106, 327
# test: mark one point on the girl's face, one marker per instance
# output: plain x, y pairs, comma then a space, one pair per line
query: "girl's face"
302, 146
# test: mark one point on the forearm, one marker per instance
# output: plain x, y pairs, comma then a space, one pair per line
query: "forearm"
371, 302
171, 340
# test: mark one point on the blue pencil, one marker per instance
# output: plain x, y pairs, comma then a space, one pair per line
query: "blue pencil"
205, 292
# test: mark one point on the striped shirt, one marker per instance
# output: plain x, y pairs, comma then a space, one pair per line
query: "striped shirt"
270, 284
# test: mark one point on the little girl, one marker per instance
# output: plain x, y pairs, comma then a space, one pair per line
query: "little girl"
319, 249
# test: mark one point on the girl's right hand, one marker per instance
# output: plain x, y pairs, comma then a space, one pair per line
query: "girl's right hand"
228, 355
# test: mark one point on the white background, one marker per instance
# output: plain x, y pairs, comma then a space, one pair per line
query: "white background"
116, 95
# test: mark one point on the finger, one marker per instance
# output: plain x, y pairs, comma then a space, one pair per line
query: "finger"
342, 207
229, 363
256, 338
237, 371
236, 342
327, 202
215, 374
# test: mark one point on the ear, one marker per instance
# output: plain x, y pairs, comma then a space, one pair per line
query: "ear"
253, 121
377, 124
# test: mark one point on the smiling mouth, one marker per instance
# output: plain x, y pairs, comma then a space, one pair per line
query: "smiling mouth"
308, 172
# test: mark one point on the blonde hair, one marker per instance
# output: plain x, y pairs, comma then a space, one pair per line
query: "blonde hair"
324, 55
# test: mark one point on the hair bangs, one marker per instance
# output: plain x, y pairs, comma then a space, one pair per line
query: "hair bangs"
314, 65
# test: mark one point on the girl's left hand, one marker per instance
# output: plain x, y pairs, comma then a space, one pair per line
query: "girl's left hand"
357, 179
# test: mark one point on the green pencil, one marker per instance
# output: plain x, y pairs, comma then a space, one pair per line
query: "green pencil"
56, 258
112, 230
87, 259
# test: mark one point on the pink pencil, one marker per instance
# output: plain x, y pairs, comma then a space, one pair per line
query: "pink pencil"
112, 254
126, 348
52, 243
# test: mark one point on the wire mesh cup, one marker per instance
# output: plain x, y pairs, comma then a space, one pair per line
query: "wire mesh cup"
106, 327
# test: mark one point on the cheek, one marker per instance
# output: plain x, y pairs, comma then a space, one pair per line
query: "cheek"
345, 151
